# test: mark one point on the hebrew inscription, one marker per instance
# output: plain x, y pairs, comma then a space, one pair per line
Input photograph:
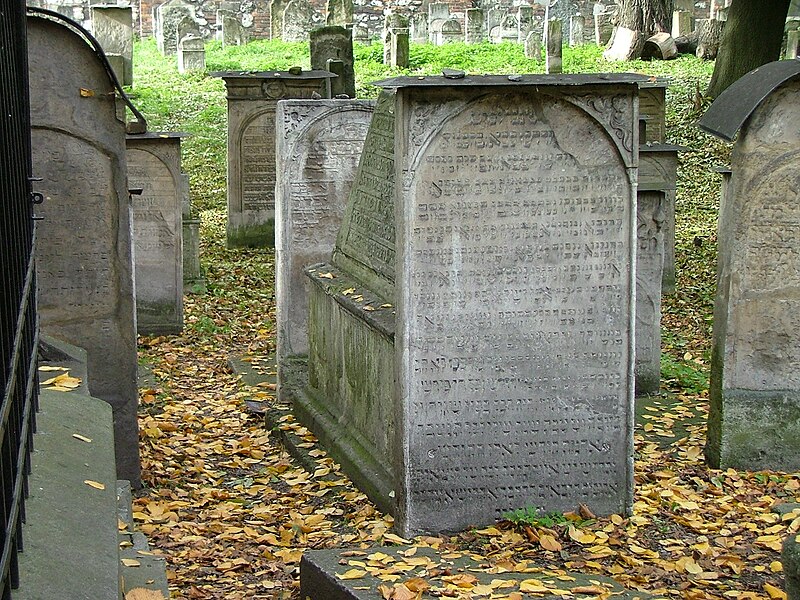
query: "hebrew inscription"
520, 290
257, 160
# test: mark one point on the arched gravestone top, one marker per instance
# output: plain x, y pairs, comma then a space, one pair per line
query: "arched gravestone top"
84, 262
738, 101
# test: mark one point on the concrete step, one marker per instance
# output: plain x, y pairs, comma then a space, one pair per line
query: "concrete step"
70, 534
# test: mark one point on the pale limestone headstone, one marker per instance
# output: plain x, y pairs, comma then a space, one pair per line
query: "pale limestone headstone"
494, 17
276, 8
792, 44
554, 47
754, 414
475, 26
167, 17
438, 10
682, 23
577, 23
339, 12
470, 344
419, 28
334, 43
298, 21
450, 32
252, 98
525, 22
154, 166
191, 54
233, 32
319, 144
507, 31
393, 23
112, 26
533, 46
83, 244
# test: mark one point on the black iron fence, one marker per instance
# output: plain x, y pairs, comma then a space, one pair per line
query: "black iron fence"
18, 324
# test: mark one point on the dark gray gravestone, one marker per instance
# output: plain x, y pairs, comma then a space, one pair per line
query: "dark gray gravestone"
112, 26
252, 98
335, 43
84, 266
319, 144
754, 415
471, 342
154, 166
553, 47
339, 12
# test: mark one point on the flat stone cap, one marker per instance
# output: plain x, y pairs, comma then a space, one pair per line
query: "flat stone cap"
738, 101
522, 80
318, 74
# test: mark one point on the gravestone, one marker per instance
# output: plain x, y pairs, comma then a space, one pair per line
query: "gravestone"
167, 18
494, 17
577, 23
400, 52
533, 46
318, 147
470, 342
682, 23
233, 33
361, 34
438, 11
790, 558
754, 412
525, 22
450, 32
112, 26
553, 47
792, 44
298, 21
154, 166
276, 8
252, 98
339, 12
419, 28
395, 51
562, 10
334, 43
507, 31
83, 244
475, 26
191, 54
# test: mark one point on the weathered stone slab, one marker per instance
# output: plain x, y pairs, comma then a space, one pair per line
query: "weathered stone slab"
790, 557
475, 26
318, 147
505, 247
553, 47
154, 166
112, 26
252, 98
319, 570
299, 18
191, 54
334, 43
339, 12
232, 32
166, 19
83, 250
754, 418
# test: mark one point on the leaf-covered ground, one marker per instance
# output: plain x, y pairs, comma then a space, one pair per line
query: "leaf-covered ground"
232, 512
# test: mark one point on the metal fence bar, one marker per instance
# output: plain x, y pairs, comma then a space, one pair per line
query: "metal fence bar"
18, 322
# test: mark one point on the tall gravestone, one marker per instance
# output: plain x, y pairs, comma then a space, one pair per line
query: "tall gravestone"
525, 22
154, 166
112, 26
318, 145
83, 248
474, 26
339, 12
334, 43
554, 45
233, 32
276, 8
166, 21
754, 414
252, 98
470, 343
419, 28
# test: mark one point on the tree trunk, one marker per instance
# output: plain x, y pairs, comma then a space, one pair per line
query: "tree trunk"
752, 37
709, 34
636, 21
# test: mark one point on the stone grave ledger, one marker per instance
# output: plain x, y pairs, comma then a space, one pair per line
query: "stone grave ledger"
252, 98
318, 148
83, 245
471, 343
154, 166
754, 408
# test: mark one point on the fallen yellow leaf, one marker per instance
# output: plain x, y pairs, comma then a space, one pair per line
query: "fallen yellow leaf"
351, 574
95, 484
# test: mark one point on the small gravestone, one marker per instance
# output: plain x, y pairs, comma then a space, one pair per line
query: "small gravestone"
233, 33
577, 24
553, 47
191, 54
792, 44
507, 31
83, 244
682, 23
754, 412
319, 144
339, 12
154, 166
470, 342
395, 40
334, 43
168, 17
533, 46
298, 21
450, 32
361, 34
438, 11
419, 28
112, 26
276, 8
525, 22
252, 98
494, 16
475, 26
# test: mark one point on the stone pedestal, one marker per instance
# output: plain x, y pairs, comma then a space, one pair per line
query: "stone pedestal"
154, 166
471, 340
191, 54
112, 26
334, 43
252, 98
